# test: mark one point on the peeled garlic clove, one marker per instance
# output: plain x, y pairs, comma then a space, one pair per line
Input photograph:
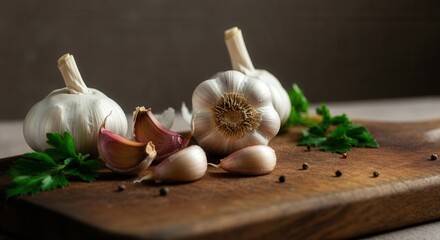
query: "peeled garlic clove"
186, 165
122, 155
147, 128
254, 160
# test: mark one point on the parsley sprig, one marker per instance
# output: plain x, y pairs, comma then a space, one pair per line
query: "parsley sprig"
300, 108
331, 134
341, 139
40, 171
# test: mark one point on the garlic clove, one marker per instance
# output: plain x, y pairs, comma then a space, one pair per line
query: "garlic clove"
124, 156
147, 128
186, 165
280, 97
271, 121
254, 160
210, 90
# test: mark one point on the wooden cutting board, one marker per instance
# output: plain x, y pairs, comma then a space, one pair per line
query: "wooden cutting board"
311, 203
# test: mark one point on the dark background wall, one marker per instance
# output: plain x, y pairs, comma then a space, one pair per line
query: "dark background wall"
154, 52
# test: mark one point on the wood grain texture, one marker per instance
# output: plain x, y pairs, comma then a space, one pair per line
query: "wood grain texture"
311, 204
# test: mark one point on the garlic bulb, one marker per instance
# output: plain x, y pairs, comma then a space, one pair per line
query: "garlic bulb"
122, 155
76, 109
147, 128
233, 112
254, 160
242, 62
186, 165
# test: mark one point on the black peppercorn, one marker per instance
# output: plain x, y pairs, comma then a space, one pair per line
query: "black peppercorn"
305, 166
434, 157
376, 174
163, 191
338, 173
282, 179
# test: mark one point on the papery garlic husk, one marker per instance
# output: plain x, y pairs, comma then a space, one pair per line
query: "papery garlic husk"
186, 114
187, 165
124, 156
167, 117
146, 128
75, 109
241, 61
254, 160
233, 112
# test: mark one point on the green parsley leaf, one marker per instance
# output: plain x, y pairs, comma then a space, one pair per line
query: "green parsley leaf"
343, 137
300, 108
83, 168
361, 137
63, 145
298, 100
40, 171
338, 140
314, 136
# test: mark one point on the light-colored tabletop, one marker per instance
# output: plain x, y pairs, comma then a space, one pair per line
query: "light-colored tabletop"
394, 110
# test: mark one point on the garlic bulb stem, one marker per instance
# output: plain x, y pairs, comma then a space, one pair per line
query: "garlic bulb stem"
71, 75
238, 53
241, 62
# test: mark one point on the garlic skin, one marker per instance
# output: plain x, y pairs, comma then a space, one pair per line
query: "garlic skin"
186, 114
166, 118
254, 160
187, 165
147, 128
231, 112
124, 156
76, 109
241, 61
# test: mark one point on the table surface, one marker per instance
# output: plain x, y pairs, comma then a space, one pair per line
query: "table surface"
393, 110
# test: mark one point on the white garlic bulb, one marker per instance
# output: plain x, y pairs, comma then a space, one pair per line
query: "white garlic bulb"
241, 61
76, 109
231, 112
